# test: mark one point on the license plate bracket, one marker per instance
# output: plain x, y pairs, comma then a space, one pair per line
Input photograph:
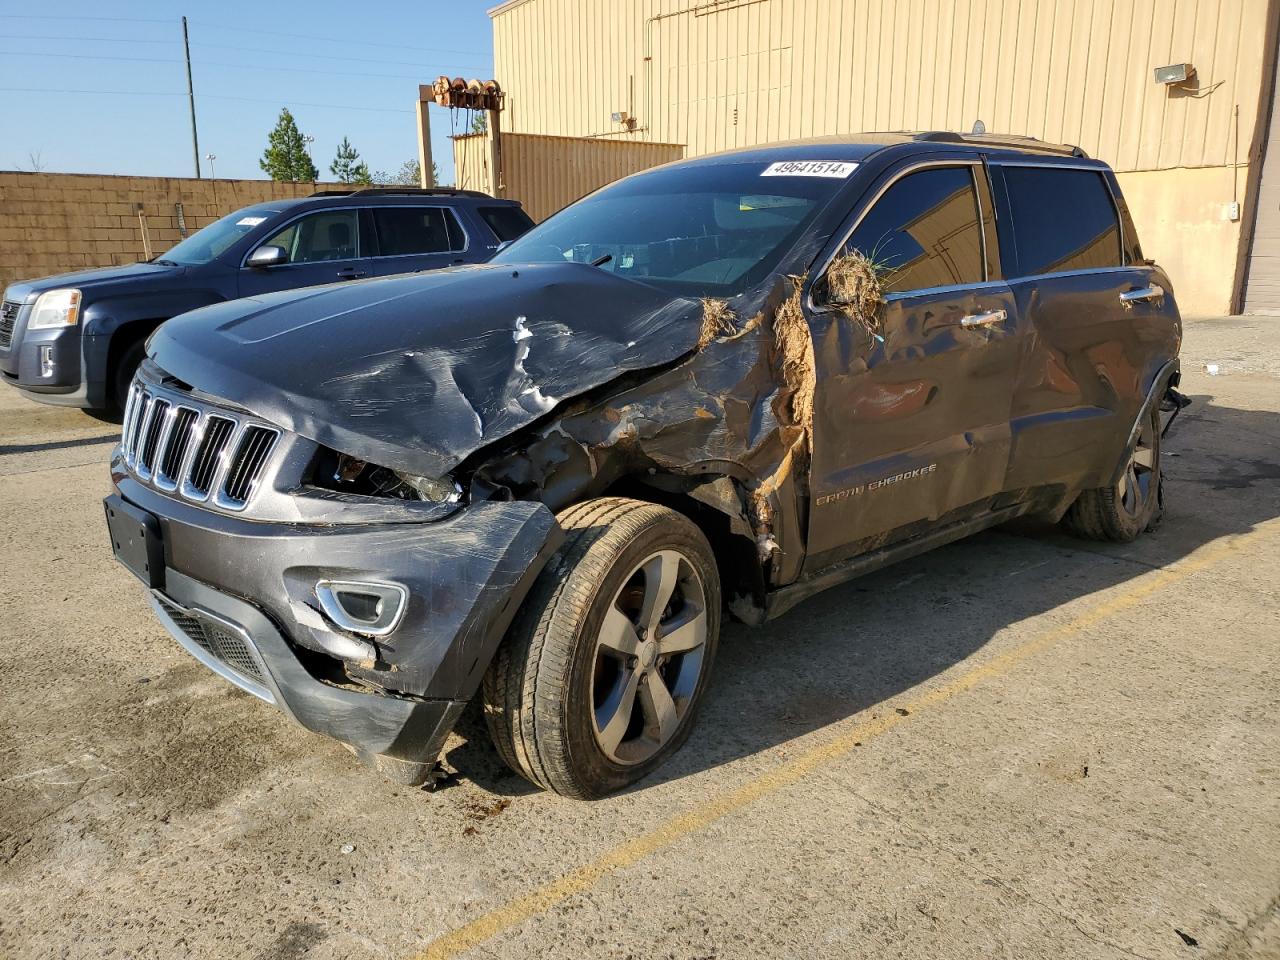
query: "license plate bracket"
136, 540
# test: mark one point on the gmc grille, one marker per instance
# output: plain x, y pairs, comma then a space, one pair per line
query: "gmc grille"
8, 317
202, 453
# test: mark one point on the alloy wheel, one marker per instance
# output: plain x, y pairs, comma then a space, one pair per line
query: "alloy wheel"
648, 658
1136, 487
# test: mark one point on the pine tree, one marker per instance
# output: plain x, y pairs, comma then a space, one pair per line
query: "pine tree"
286, 154
409, 175
347, 165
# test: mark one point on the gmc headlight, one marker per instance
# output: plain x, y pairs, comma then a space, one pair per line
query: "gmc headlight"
55, 308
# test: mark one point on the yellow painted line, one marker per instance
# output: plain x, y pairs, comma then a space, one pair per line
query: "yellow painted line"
543, 898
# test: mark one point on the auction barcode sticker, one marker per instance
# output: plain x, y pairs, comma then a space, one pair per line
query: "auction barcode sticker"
810, 168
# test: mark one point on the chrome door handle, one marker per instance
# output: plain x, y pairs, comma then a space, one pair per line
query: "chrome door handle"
350, 274
982, 319
1153, 292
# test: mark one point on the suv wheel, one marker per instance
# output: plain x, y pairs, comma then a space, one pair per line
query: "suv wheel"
600, 677
1136, 503
124, 371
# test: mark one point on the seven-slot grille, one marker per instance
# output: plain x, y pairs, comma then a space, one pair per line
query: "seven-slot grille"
202, 454
8, 317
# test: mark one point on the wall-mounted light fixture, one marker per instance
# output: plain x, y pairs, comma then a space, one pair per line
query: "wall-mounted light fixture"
1175, 73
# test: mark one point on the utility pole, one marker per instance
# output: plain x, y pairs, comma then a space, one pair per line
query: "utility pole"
426, 175
191, 99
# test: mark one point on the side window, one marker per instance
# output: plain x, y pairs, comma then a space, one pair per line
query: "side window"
507, 223
330, 235
924, 231
1063, 219
408, 230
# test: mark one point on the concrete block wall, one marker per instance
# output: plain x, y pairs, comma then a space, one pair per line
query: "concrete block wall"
57, 222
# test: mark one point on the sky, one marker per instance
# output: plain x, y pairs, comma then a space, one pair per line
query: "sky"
93, 87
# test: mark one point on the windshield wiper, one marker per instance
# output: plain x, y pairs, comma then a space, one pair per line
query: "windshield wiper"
601, 261
164, 263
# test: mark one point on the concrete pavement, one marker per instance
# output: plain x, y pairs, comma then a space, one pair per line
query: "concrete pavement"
1020, 745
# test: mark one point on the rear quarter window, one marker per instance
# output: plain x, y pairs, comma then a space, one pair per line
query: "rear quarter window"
507, 223
1063, 219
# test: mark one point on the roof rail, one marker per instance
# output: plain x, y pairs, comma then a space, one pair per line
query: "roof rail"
1010, 141
403, 191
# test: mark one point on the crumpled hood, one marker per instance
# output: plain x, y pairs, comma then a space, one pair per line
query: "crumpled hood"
415, 372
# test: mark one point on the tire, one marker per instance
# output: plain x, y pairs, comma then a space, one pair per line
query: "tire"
573, 700
1135, 504
122, 376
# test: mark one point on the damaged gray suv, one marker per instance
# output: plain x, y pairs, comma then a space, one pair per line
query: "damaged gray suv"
720, 385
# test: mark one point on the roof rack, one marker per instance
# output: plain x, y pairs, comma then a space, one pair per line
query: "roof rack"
403, 191
1011, 141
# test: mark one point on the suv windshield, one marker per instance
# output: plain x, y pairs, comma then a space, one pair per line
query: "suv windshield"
209, 242
708, 230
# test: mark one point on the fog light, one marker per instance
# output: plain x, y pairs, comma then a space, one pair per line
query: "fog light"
46, 360
373, 609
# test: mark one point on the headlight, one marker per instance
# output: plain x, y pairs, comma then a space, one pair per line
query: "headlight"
349, 474
431, 489
55, 308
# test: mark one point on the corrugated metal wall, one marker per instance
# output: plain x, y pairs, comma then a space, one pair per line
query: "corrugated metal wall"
1262, 281
546, 173
715, 75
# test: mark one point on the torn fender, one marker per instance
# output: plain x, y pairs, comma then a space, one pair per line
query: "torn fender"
416, 372
736, 408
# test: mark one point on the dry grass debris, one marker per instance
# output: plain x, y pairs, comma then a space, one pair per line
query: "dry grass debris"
795, 348
717, 321
854, 283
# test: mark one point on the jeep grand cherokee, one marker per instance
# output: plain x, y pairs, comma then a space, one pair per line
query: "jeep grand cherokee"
727, 382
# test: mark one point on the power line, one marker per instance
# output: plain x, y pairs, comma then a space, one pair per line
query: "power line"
344, 40
93, 39
233, 66
34, 16
318, 56
237, 29
231, 46
215, 96
86, 56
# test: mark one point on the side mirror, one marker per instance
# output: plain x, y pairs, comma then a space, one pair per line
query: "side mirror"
267, 256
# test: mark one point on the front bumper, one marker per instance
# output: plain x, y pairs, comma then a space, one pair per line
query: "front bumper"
239, 595
47, 365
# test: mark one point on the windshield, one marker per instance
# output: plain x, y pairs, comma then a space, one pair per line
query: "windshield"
209, 242
708, 231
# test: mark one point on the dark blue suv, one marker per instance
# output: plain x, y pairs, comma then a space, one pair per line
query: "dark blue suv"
76, 338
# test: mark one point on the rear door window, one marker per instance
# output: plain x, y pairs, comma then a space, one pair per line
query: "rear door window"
507, 223
403, 231
1063, 219
924, 231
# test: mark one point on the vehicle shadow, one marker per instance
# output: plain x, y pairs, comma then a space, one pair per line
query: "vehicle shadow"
863, 644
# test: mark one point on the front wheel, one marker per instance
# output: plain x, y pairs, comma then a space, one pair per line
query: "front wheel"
600, 677
1121, 513
122, 376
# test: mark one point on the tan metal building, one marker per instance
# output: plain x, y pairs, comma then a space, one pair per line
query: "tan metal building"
718, 74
